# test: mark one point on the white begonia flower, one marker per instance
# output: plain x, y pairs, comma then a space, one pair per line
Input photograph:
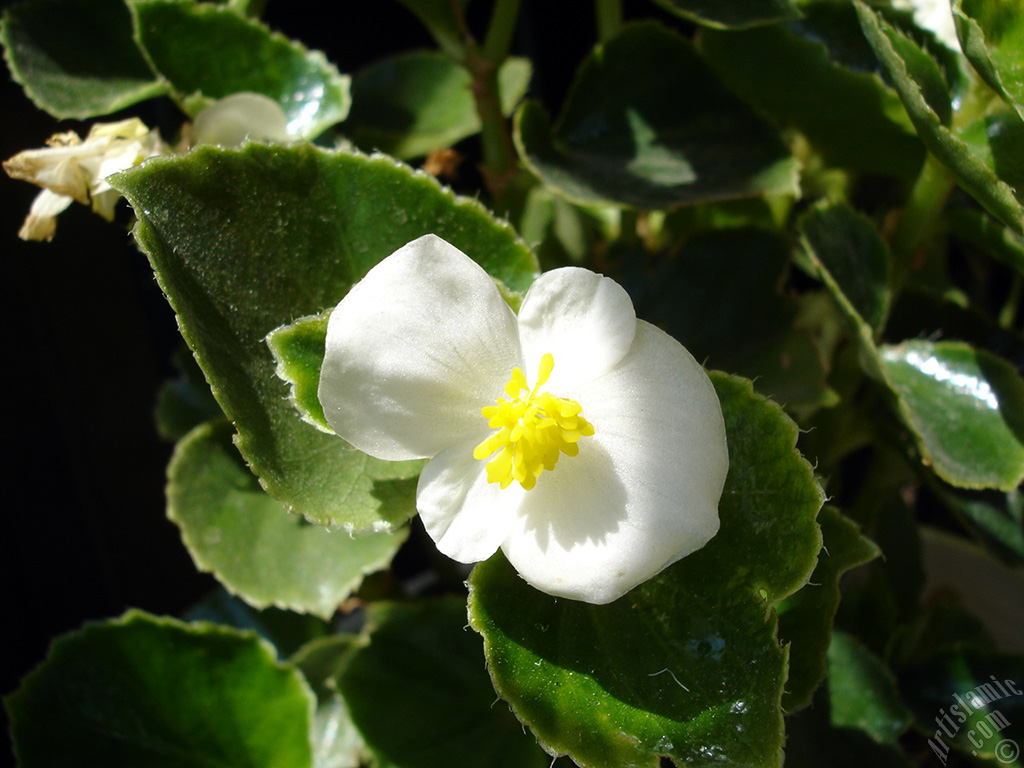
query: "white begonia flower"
934, 15
424, 359
69, 169
233, 120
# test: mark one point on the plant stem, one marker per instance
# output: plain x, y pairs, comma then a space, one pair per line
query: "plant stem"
499, 164
1008, 316
919, 218
609, 18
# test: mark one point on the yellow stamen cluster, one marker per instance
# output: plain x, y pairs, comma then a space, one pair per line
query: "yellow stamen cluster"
533, 430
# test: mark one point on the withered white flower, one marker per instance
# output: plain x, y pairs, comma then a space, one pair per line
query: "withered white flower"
69, 169
586, 444
243, 116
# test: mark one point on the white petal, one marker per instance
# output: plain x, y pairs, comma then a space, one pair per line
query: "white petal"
415, 350
234, 119
467, 517
41, 222
584, 320
643, 491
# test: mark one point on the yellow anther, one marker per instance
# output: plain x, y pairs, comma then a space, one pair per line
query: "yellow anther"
534, 429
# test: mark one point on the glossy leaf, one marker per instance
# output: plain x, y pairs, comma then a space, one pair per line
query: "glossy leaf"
250, 541
619, 140
418, 102
805, 618
290, 230
813, 75
200, 48
737, 14
992, 37
418, 692
862, 691
77, 58
966, 409
751, 334
996, 139
298, 349
687, 665
974, 175
142, 690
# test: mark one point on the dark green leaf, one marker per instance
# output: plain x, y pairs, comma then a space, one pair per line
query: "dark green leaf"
200, 48
620, 140
244, 241
966, 409
687, 665
992, 37
752, 333
736, 14
804, 75
142, 690
805, 618
988, 235
997, 517
412, 104
862, 691
969, 700
974, 175
77, 58
853, 261
287, 631
337, 742
419, 693
298, 349
250, 541
443, 19
996, 139
185, 402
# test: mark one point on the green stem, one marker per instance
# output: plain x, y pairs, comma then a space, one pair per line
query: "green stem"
499, 35
628, 220
500, 165
609, 19
1008, 316
920, 217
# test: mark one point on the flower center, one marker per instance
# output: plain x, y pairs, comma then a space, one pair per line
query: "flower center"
534, 430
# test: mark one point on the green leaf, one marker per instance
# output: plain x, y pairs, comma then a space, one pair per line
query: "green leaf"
992, 37
737, 14
996, 140
243, 241
805, 618
298, 349
961, 700
287, 631
804, 75
250, 541
998, 518
142, 690
966, 409
211, 51
412, 104
620, 140
419, 693
443, 20
853, 261
753, 333
902, 61
337, 742
185, 402
76, 58
988, 235
862, 691
687, 665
